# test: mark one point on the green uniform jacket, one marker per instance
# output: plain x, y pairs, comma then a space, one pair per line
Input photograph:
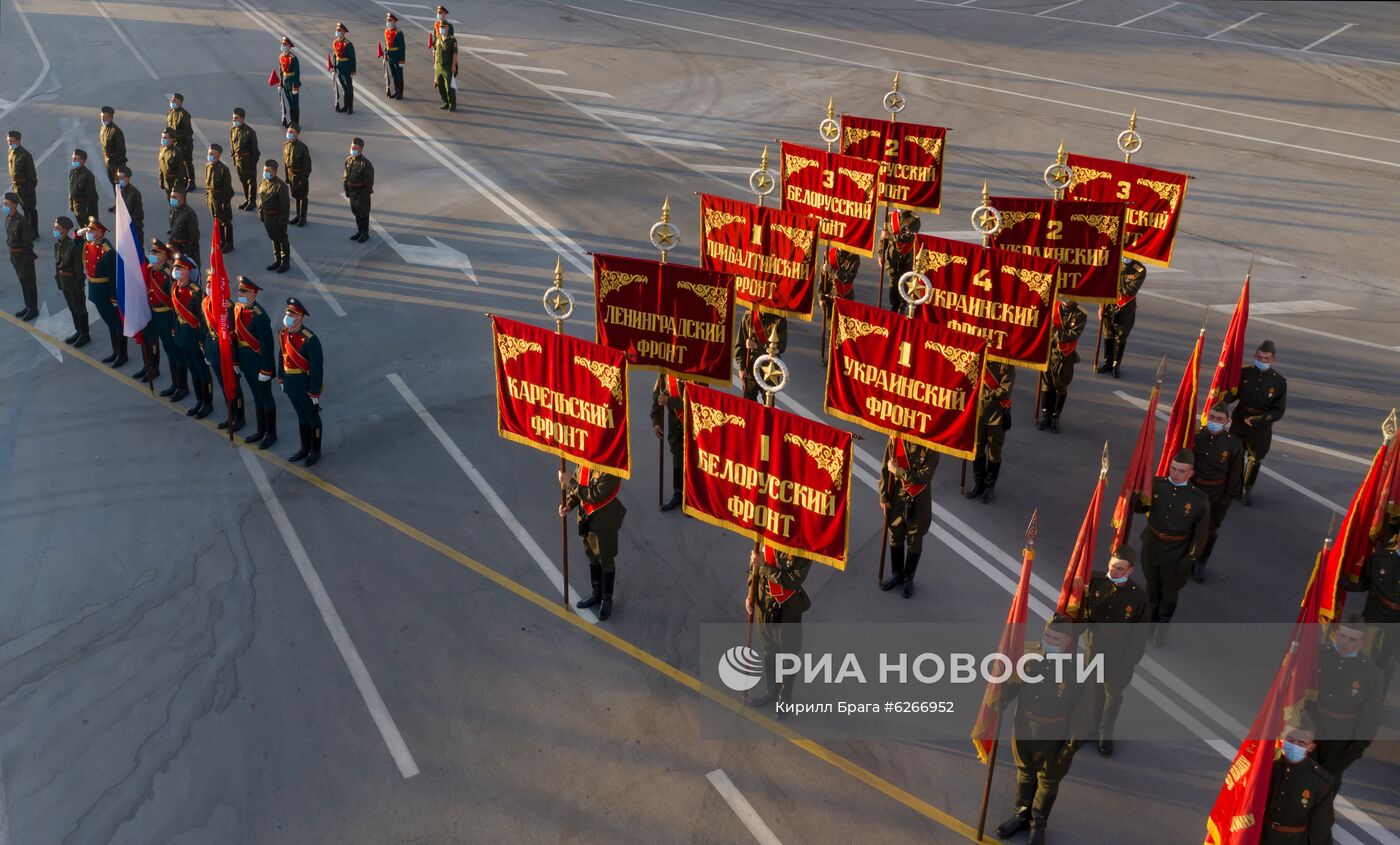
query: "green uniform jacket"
136, 208
292, 78
743, 355
264, 361
394, 48
82, 193
184, 231
18, 235
345, 64
1260, 394
113, 143
172, 173
296, 160
896, 260
1177, 511
1219, 464
310, 382
358, 179
605, 522
1115, 613
996, 401
274, 201
186, 335
181, 126
790, 572
68, 263
1380, 579
23, 179
1296, 792
1072, 323
218, 185
675, 436
1347, 710
904, 506
1052, 719
243, 144
444, 55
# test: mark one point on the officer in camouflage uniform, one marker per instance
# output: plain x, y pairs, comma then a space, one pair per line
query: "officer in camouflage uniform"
19, 239
1380, 580
1219, 473
998, 379
1299, 793
169, 165
296, 164
82, 187
301, 372
1117, 318
243, 146
666, 396
24, 181
358, 180
113, 142
897, 250
1262, 395
135, 206
1350, 695
218, 195
1070, 321
776, 600
181, 127
257, 359
600, 515
1115, 608
751, 341
68, 274
907, 503
184, 226
1178, 527
274, 204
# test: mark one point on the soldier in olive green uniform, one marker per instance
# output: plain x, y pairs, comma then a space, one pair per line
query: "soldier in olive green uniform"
169, 165
1178, 526
1070, 321
1298, 794
1115, 608
296, 164
751, 341
24, 181
184, 226
998, 379
274, 204
1117, 318
19, 238
907, 504
343, 63
135, 206
100, 265
445, 65
161, 331
243, 146
300, 372
1380, 580
181, 127
358, 180
1350, 694
188, 301
68, 274
218, 195
1052, 722
1219, 472
1262, 396
113, 142
82, 187
666, 396
257, 359
600, 515
776, 600
897, 250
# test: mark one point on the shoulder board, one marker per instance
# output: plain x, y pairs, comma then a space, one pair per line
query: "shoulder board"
305, 332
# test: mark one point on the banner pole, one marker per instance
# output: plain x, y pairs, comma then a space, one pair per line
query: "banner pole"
770, 395
893, 104
987, 782
663, 236
563, 496
146, 360
828, 302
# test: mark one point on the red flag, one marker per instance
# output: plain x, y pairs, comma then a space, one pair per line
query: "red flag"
1012, 644
273, 80
380, 45
1081, 560
430, 41
1354, 541
219, 292
1226, 380
1137, 484
1181, 427
330, 65
1389, 483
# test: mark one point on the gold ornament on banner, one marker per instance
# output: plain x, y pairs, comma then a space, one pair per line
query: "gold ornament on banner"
664, 235
894, 101
763, 181
829, 129
1129, 141
1058, 176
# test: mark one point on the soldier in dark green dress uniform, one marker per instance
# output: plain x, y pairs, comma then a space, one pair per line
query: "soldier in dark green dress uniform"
100, 266
289, 83
1380, 580
600, 515
257, 359
1178, 527
998, 379
1052, 722
666, 397
1070, 321
395, 52
68, 273
1262, 396
188, 301
24, 181
1115, 608
296, 166
181, 127
907, 503
113, 142
82, 187
751, 341
1299, 793
343, 64
135, 206
776, 601
218, 195
162, 327
184, 226
838, 281
444, 49
300, 372
274, 204
1117, 318
243, 146
1219, 473
169, 166
1350, 694
209, 345
358, 180
19, 239
897, 250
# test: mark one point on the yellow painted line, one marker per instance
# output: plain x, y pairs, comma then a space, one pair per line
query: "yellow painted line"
549, 605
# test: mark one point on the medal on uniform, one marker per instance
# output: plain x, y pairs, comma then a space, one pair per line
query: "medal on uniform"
1307, 793
1188, 507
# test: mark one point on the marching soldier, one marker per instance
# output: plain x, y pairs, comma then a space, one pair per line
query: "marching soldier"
257, 359
209, 345
169, 166
274, 203
184, 226
444, 47
666, 396
897, 250
296, 164
343, 62
100, 265
181, 127
135, 206
395, 52
1052, 720
188, 301
1300, 793
113, 142
1117, 318
1219, 472
358, 180
1070, 321
161, 331
907, 503
1380, 580
776, 601
68, 273
997, 381
1262, 395
600, 515
82, 187
289, 83
24, 181
19, 238
300, 371
838, 281
1347, 710
1178, 525
751, 341
243, 146
218, 195
1115, 608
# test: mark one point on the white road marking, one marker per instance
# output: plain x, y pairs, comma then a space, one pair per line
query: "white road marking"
741, 807
1338, 31
68, 130
436, 254
1057, 8
625, 115
551, 572
582, 92
1279, 323
316, 283
1235, 24
43, 60
493, 51
125, 39
529, 69
373, 702
1148, 15
51, 325
670, 141
1297, 306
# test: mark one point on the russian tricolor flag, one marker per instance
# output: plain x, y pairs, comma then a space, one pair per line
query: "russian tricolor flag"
131, 273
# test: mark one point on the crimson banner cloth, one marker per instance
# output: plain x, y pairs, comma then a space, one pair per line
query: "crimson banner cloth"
1154, 199
906, 378
668, 317
223, 332
840, 191
912, 155
1003, 297
772, 254
1085, 237
767, 474
562, 395
1013, 645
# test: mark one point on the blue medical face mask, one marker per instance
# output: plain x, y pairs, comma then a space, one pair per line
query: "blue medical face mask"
174, 105
106, 121
267, 174
123, 182
75, 164
1122, 580
354, 152
174, 203
165, 142
1051, 649
1178, 483
212, 158
242, 300
179, 273
291, 136
238, 121
1215, 427
91, 237
1294, 753
289, 321
9, 209
14, 146
1343, 653
58, 234
1263, 366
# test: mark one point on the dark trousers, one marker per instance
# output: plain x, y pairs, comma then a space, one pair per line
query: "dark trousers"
344, 90
112, 165
247, 177
393, 79
222, 214
277, 233
186, 151
443, 80
308, 414
779, 630
74, 296
1040, 766
291, 106
1166, 567
261, 390
163, 326
193, 359
30, 203
100, 295
23, 262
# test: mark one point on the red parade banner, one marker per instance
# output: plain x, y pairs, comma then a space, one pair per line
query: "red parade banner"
562, 395
1003, 297
767, 474
905, 378
1154, 199
841, 191
911, 153
770, 252
667, 317
1085, 237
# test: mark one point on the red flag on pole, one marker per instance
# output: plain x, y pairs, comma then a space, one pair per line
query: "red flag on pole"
219, 292
273, 80
1389, 486
1012, 644
330, 65
380, 45
1081, 560
1354, 541
1226, 380
1137, 484
1181, 427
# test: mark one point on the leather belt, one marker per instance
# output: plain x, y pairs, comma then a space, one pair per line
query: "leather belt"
1209, 482
1168, 538
1044, 720
1288, 828
1385, 602
1333, 714
99, 280
160, 309
1247, 409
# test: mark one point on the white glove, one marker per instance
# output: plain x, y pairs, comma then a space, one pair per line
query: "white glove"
264, 377
316, 400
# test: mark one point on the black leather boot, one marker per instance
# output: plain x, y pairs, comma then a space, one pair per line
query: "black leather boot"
896, 569
595, 575
198, 392
1107, 363
206, 404
1014, 825
315, 455
979, 475
1047, 401
179, 382
993, 470
261, 417
1037, 834
605, 609
305, 449
1058, 407
271, 436
911, 563
112, 336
